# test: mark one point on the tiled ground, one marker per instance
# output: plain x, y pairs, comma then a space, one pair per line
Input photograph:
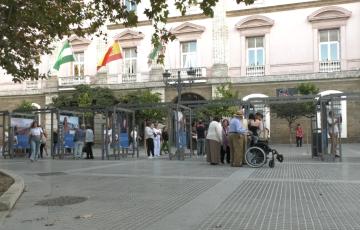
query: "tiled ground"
301, 193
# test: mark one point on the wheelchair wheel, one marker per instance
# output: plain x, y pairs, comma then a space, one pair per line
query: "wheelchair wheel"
280, 158
255, 157
272, 163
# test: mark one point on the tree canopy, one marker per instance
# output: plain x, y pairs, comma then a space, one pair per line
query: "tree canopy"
145, 97
223, 91
85, 97
29, 28
293, 111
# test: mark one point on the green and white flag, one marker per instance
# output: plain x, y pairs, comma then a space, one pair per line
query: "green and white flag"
66, 55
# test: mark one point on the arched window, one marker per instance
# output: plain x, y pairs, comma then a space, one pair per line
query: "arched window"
189, 97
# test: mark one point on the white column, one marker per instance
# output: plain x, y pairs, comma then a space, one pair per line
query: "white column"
220, 41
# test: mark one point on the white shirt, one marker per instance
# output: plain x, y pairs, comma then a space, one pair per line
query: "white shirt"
332, 122
36, 131
109, 133
215, 131
149, 132
134, 134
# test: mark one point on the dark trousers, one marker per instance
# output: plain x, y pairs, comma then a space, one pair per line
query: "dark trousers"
225, 151
150, 146
298, 141
42, 145
88, 150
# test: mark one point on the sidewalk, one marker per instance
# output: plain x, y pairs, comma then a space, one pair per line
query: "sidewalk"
159, 194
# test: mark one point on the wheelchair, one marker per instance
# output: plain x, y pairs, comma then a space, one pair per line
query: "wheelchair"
259, 153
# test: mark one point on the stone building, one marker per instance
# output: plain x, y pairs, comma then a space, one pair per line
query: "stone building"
262, 49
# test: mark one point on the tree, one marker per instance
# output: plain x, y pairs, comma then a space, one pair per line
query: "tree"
24, 106
28, 29
226, 92
293, 111
86, 97
143, 98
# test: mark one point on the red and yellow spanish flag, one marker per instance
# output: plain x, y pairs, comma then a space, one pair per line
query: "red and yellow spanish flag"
113, 53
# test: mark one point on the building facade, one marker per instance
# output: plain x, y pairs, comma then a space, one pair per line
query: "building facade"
263, 49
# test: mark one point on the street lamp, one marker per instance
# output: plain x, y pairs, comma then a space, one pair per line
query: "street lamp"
179, 84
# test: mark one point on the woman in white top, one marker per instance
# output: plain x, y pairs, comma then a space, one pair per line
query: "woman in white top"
213, 142
157, 140
35, 137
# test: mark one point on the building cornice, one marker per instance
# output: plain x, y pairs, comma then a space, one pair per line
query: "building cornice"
245, 12
342, 75
286, 7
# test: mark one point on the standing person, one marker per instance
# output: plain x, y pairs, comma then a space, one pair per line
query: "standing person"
107, 140
149, 138
35, 138
299, 135
43, 143
157, 138
165, 138
201, 134
237, 139
55, 142
89, 141
333, 130
213, 141
79, 140
134, 137
225, 148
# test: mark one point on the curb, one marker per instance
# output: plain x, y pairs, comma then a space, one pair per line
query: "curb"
9, 198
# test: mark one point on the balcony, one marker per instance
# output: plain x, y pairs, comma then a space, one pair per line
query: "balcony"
255, 71
72, 81
329, 66
128, 77
200, 72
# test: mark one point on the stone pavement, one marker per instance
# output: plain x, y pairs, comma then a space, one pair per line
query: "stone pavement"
301, 193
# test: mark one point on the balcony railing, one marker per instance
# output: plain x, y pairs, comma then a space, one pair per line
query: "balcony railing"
255, 71
73, 81
128, 77
200, 72
329, 66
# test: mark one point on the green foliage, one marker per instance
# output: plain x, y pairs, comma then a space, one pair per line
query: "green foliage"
224, 91
143, 98
308, 89
24, 106
293, 111
28, 29
85, 97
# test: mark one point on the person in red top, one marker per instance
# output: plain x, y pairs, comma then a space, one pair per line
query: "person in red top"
299, 135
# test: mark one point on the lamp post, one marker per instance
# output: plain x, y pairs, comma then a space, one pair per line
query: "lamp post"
179, 84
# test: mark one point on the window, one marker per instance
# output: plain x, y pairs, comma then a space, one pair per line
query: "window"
130, 5
255, 51
78, 66
329, 45
188, 54
130, 56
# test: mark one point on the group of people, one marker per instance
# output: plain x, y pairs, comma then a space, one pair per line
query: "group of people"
156, 139
84, 140
227, 141
38, 137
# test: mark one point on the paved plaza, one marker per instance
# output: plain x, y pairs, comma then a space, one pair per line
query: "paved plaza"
159, 194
